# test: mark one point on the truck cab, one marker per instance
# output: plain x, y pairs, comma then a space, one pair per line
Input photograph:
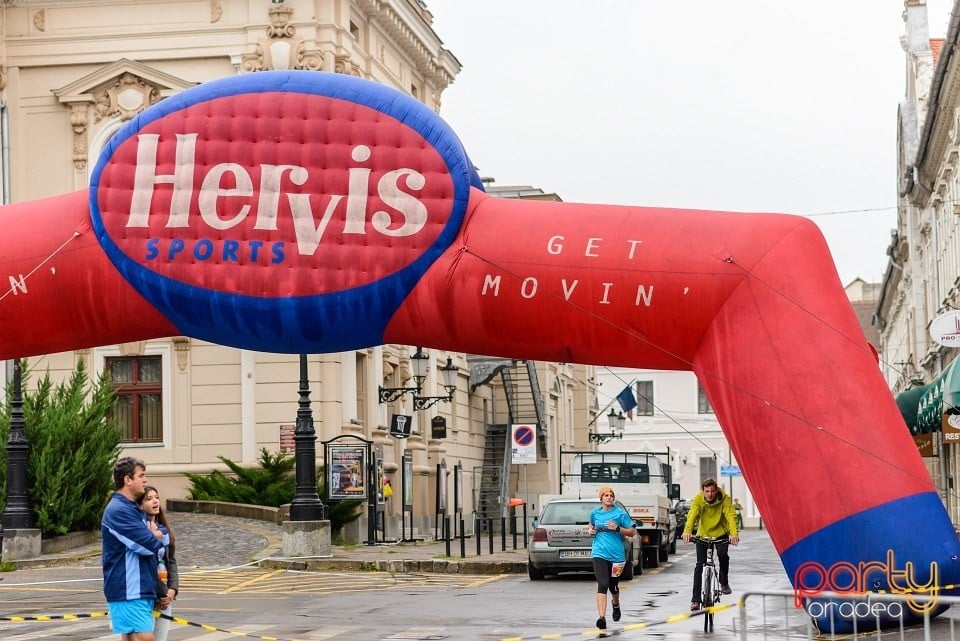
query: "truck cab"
642, 481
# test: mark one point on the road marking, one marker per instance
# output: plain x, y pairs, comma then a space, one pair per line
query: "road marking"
255, 581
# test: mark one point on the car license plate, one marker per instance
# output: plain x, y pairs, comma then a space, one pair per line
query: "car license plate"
575, 554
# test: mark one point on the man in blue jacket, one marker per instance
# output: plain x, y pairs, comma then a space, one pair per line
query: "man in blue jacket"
130, 546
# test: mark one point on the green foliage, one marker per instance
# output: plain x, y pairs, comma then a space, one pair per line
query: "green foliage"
73, 447
271, 484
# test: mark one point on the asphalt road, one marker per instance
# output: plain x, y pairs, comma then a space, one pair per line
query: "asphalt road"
380, 606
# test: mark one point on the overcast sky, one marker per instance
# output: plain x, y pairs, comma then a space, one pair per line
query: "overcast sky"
741, 105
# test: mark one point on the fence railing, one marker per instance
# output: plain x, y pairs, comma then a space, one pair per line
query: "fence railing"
906, 617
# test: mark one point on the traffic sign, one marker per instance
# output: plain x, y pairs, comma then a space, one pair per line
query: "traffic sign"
730, 470
524, 444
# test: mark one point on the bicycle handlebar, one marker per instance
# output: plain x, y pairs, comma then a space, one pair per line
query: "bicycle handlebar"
710, 540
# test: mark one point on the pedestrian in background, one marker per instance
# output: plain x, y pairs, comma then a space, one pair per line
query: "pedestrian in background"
130, 544
609, 523
168, 579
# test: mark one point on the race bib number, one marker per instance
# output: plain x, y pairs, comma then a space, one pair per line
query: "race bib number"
617, 569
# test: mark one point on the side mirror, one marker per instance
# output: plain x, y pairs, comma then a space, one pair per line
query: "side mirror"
674, 491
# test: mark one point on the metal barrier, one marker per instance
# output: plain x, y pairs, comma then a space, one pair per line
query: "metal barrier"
774, 615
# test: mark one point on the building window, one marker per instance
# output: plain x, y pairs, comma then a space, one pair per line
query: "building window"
644, 398
138, 385
703, 404
361, 359
708, 468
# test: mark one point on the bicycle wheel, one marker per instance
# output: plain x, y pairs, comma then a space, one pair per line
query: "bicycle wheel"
707, 597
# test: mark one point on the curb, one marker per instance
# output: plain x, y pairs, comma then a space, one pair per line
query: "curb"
60, 561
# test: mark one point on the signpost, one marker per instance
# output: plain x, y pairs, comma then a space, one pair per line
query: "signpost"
407, 493
353, 474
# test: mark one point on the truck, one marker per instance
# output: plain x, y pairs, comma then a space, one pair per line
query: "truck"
642, 481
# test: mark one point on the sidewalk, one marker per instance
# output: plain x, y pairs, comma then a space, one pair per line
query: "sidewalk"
208, 540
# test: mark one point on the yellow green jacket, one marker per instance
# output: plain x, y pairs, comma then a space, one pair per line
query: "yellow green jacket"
716, 519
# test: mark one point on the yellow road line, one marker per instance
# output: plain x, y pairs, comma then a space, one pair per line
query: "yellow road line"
255, 579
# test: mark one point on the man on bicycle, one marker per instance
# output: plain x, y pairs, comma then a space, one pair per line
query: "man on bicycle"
717, 519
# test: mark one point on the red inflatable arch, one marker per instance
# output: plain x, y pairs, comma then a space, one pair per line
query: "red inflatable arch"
335, 214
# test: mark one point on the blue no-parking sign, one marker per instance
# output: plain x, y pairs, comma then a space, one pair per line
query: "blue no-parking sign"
524, 444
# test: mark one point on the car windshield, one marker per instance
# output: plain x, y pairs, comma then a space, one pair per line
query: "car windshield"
568, 513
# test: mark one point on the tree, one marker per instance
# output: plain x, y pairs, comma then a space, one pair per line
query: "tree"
73, 446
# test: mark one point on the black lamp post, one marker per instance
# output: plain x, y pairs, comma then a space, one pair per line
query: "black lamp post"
16, 513
306, 505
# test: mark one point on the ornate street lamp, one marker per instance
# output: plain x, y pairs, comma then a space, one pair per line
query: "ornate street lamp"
306, 504
448, 375
616, 421
418, 362
16, 513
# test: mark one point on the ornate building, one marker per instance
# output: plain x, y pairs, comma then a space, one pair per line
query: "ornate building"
922, 280
74, 72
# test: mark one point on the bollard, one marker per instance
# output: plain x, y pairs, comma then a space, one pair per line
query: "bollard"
503, 534
524, 526
463, 541
490, 532
446, 533
476, 532
514, 528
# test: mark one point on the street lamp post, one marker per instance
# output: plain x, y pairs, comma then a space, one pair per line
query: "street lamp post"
16, 513
306, 504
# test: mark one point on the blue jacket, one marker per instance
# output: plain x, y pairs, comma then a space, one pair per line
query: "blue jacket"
129, 552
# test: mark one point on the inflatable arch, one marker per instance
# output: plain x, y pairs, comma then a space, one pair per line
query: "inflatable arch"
312, 212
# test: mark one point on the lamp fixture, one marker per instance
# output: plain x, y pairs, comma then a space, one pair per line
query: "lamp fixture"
418, 363
616, 421
449, 374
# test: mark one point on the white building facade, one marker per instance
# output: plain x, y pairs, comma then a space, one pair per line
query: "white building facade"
922, 280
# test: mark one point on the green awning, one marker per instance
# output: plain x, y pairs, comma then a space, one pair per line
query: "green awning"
923, 407
909, 404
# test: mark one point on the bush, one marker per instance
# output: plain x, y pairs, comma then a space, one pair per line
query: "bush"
271, 484
73, 447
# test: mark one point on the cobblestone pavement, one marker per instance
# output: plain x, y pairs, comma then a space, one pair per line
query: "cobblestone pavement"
205, 540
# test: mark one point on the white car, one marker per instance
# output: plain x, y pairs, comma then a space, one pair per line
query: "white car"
561, 543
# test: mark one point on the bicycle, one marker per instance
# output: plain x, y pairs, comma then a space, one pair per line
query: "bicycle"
710, 590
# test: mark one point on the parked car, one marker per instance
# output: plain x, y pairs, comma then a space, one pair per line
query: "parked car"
682, 508
561, 544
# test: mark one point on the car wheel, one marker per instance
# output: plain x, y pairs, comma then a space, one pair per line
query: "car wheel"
535, 574
627, 573
664, 553
673, 546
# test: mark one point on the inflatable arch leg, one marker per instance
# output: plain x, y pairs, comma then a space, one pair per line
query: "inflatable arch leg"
757, 311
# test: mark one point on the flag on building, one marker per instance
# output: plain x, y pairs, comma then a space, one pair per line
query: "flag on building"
627, 401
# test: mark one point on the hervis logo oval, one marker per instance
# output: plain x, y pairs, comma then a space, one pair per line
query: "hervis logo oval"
290, 207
